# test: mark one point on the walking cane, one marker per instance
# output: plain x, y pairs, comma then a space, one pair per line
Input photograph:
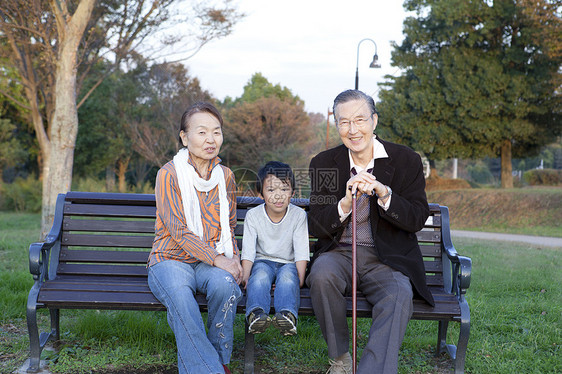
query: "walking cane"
354, 278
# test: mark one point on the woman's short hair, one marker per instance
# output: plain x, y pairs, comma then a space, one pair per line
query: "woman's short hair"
278, 169
198, 107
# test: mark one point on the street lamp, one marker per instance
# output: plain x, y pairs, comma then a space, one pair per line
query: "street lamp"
374, 63
328, 128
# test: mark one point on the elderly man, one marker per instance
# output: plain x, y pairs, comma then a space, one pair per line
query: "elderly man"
391, 206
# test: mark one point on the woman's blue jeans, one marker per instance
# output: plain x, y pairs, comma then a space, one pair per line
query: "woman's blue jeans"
286, 296
174, 283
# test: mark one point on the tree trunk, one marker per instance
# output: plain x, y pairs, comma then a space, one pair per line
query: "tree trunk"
432, 169
122, 165
506, 176
109, 179
57, 169
57, 172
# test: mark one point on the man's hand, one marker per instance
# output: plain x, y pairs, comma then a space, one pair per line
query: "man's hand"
232, 265
362, 183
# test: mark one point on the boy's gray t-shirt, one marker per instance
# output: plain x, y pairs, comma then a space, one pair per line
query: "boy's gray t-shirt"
285, 241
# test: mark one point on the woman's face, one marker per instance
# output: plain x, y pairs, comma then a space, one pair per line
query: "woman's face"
203, 137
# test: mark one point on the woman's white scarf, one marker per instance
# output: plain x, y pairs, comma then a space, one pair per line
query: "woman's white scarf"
189, 179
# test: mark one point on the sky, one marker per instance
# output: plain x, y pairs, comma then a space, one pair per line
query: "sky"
308, 46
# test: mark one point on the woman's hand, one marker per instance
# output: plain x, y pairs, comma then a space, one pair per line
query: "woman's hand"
232, 265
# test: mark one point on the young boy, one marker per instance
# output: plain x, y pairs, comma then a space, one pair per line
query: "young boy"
274, 250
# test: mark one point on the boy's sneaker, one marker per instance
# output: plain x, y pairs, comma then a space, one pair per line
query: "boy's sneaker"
285, 322
258, 321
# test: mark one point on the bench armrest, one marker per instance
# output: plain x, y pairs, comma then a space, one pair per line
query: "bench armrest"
39, 253
464, 273
36, 253
461, 266
461, 269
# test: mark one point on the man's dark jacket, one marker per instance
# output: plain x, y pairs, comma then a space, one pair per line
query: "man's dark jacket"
394, 231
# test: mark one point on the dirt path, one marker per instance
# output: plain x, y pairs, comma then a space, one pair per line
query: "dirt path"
540, 241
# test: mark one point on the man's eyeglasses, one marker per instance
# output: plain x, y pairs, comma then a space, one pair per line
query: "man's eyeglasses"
359, 122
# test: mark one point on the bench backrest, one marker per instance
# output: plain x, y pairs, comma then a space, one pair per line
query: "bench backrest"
112, 233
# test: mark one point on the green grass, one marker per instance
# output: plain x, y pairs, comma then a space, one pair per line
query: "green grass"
516, 321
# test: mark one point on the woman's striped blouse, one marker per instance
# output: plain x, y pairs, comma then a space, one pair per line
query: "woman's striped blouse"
173, 239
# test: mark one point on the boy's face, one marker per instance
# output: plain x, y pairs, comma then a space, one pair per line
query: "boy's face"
277, 194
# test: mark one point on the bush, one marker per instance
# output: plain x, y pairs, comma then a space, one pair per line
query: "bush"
145, 187
89, 184
543, 177
23, 195
480, 173
436, 183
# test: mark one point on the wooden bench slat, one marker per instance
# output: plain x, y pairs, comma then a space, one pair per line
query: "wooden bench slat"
80, 197
102, 299
84, 255
99, 278
434, 280
70, 224
442, 311
433, 266
106, 299
92, 240
429, 236
82, 299
433, 250
110, 210
93, 269
241, 214
90, 284
433, 221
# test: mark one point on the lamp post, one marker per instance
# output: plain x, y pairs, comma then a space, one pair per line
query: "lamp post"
328, 128
374, 63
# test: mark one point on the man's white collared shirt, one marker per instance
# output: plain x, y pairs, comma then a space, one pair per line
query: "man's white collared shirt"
378, 152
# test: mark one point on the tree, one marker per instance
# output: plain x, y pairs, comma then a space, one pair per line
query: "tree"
16, 143
268, 129
134, 114
167, 91
259, 87
11, 151
53, 44
267, 122
103, 146
480, 78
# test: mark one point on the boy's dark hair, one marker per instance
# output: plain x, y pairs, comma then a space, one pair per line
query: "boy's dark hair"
278, 169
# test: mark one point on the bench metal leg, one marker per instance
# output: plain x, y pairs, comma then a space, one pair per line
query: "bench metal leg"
38, 341
464, 334
33, 331
458, 352
248, 350
55, 321
442, 338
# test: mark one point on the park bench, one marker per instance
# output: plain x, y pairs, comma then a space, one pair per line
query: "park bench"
95, 257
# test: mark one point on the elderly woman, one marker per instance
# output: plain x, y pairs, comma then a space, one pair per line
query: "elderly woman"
194, 249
